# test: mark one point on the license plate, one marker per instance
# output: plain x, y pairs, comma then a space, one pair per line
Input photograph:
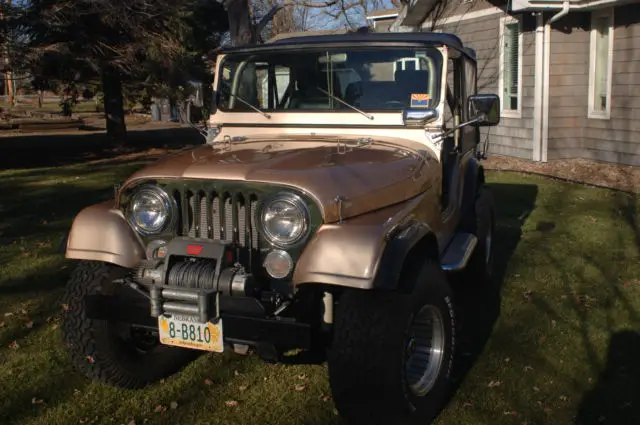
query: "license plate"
188, 333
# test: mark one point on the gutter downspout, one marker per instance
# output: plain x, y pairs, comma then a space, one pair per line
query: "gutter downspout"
543, 55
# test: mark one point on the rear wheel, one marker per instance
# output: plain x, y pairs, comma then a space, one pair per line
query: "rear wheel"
392, 353
114, 353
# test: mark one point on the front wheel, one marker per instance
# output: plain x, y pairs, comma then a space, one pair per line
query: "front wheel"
391, 357
117, 354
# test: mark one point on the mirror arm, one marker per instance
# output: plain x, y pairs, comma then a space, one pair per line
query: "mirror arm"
440, 137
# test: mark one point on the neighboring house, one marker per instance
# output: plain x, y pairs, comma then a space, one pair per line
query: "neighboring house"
567, 72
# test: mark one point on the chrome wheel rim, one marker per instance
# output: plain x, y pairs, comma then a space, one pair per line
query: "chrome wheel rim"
425, 350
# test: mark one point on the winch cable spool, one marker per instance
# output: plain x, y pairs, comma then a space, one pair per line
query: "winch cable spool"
189, 275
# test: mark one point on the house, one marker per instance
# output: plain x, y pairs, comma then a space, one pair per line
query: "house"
567, 72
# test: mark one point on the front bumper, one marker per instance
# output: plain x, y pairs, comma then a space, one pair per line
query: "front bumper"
241, 324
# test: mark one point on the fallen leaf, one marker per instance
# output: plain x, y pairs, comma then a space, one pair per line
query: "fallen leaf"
159, 408
236, 373
28, 325
507, 360
84, 420
563, 297
494, 384
527, 295
242, 387
91, 359
563, 398
65, 307
325, 397
23, 311
36, 400
173, 405
302, 377
510, 413
208, 381
8, 314
467, 405
14, 345
536, 389
542, 339
1, 324
547, 410
528, 368
231, 403
626, 284
54, 326
553, 323
300, 387
335, 412
132, 422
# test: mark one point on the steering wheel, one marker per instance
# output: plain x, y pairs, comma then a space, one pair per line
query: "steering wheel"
394, 102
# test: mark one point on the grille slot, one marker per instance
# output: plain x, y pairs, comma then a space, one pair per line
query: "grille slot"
218, 216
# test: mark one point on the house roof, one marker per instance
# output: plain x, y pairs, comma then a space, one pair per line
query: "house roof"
355, 39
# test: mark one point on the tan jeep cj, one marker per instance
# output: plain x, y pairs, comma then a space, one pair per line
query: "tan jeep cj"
338, 193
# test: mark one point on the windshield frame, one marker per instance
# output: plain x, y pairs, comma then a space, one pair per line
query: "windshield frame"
439, 81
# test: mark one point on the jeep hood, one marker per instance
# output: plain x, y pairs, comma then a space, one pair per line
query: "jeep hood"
367, 178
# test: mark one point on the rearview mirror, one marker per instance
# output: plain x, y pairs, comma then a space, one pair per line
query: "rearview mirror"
486, 107
418, 117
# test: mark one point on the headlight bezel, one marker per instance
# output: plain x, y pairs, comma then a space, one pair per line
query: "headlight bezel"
168, 203
294, 200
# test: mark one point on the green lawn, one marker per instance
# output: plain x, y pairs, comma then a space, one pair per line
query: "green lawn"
555, 343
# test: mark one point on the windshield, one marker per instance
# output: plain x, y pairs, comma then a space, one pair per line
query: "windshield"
379, 79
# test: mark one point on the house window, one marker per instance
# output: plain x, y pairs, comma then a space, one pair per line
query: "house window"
600, 64
511, 66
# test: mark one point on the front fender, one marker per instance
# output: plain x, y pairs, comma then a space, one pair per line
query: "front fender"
354, 254
101, 233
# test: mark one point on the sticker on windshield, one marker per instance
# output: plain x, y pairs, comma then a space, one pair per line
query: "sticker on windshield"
420, 100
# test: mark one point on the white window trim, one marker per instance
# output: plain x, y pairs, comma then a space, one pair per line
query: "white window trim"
591, 112
518, 112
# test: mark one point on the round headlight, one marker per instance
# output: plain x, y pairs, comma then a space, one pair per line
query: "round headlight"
284, 219
150, 210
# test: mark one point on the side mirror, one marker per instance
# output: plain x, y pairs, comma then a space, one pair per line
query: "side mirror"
418, 117
486, 107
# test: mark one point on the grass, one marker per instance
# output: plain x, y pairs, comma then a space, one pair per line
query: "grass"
556, 342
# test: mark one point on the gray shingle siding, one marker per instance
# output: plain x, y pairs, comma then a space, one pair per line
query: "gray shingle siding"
514, 135
571, 132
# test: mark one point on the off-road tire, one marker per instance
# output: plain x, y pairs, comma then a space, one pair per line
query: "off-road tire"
95, 348
481, 222
367, 356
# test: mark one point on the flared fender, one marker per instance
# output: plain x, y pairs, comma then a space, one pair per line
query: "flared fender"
101, 233
352, 253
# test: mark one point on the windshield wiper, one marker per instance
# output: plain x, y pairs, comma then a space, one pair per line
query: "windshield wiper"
251, 106
345, 103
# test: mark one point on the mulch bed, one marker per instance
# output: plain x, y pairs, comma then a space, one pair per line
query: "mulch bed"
613, 176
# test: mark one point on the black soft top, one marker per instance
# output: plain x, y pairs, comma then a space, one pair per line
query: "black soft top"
359, 39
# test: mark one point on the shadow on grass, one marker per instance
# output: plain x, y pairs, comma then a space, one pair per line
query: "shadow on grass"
51, 150
615, 398
480, 307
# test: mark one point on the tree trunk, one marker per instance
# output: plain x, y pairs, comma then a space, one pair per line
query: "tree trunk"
239, 22
113, 105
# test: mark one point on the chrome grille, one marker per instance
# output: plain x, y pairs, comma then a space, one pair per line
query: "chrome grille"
218, 216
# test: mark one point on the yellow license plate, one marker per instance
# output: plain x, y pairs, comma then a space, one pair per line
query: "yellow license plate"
187, 333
